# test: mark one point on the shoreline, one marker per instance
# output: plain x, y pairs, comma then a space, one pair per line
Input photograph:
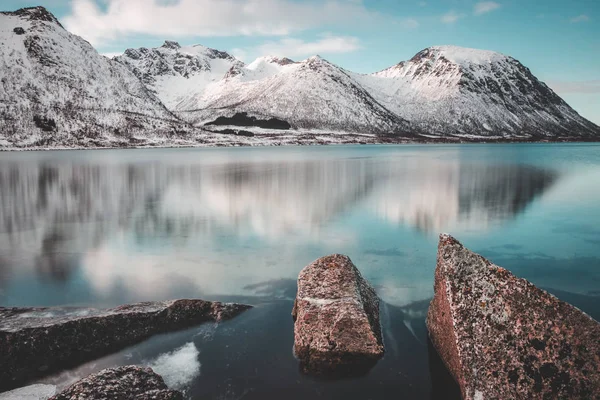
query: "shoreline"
298, 143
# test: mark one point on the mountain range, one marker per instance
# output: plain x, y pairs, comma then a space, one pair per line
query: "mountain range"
56, 90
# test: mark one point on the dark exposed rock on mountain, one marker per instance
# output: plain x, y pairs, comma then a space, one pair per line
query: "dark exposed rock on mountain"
282, 61
129, 382
35, 14
242, 119
35, 341
336, 330
503, 338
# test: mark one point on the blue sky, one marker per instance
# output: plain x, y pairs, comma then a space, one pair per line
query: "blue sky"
559, 40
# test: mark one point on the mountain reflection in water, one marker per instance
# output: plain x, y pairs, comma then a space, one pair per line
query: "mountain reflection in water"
103, 228
54, 212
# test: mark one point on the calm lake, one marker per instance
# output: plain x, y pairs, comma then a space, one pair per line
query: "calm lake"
103, 228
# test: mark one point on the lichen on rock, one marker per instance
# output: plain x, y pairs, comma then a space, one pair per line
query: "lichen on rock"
501, 337
129, 382
337, 331
37, 341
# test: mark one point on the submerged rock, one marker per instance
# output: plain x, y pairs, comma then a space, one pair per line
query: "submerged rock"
503, 338
36, 341
129, 382
31, 392
336, 313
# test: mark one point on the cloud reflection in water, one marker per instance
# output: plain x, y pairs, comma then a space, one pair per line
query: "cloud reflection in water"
166, 227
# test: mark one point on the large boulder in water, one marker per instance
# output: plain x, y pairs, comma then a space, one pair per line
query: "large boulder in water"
337, 330
129, 382
503, 338
36, 341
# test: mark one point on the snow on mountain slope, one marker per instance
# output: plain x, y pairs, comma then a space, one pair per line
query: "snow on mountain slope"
460, 91
442, 91
312, 94
55, 89
195, 98
264, 67
201, 84
175, 73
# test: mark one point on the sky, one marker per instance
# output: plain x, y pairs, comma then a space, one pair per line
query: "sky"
559, 40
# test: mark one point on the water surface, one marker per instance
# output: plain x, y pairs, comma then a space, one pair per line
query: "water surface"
102, 228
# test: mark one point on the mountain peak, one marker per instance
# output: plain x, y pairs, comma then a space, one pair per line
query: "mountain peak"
460, 55
280, 60
38, 13
263, 67
316, 60
171, 44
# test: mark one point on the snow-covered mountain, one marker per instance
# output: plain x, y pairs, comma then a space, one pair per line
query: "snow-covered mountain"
312, 94
55, 89
175, 73
455, 90
443, 91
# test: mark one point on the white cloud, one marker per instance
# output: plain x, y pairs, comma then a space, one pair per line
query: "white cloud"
292, 47
451, 17
185, 18
580, 18
485, 7
562, 87
422, 4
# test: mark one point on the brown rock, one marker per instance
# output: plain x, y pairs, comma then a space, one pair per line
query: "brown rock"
37, 341
129, 382
503, 338
336, 313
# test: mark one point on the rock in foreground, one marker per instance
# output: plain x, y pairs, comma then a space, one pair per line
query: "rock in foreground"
336, 313
36, 341
129, 382
503, 338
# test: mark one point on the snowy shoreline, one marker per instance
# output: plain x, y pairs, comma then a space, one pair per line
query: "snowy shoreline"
299, 140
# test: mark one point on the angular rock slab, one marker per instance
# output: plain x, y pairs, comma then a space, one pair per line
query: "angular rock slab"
129, 382
36, 341
503, 338
336, 330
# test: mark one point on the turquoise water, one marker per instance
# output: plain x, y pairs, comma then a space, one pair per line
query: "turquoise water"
103, 228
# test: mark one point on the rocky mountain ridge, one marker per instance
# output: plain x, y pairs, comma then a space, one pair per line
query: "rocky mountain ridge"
442, 92
478, 92
57, 91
